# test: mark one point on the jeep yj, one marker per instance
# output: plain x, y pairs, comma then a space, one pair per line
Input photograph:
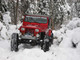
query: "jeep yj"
35, 30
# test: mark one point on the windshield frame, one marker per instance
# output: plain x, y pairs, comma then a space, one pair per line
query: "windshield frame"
38, 19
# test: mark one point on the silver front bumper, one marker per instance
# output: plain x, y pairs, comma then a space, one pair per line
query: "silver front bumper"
29, 37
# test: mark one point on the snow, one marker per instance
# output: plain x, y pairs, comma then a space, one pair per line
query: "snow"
35, 53
66, 7
74, 23
7, 29
62, 48
69, 33
7, 18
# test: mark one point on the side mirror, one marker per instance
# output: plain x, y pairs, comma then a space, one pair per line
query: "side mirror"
22, 18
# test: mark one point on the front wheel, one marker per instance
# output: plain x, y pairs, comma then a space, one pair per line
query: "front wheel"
14, 42
45, 46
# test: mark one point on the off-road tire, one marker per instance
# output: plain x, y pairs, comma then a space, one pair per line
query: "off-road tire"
42, 45
14, 42
45, 46
33, 43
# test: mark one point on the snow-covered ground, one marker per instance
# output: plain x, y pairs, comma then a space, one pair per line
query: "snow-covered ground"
35, 53
62, 49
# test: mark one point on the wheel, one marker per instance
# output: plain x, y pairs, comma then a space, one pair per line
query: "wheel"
42, 45
45, 46
51, 41
14, 42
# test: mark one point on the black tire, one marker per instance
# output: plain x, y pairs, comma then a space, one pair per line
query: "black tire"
42, 45
33, 43
14, 42
45, 46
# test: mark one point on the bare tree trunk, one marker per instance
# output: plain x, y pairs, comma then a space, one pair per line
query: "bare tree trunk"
51, 13
16, 12
0, 5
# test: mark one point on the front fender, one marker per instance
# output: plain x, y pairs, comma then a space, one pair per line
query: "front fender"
21, 30
49, 32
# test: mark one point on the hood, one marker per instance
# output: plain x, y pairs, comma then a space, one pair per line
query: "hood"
40, 27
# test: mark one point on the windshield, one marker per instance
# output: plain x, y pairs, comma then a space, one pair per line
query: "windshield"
35, 19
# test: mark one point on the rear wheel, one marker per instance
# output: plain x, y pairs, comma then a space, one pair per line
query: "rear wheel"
14, 42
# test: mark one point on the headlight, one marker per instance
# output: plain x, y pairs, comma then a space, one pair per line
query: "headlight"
22, 29
37, 35
36, 30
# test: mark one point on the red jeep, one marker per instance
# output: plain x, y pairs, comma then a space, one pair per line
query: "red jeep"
35, 30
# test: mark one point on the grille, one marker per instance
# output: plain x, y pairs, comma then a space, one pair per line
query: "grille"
30, 30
